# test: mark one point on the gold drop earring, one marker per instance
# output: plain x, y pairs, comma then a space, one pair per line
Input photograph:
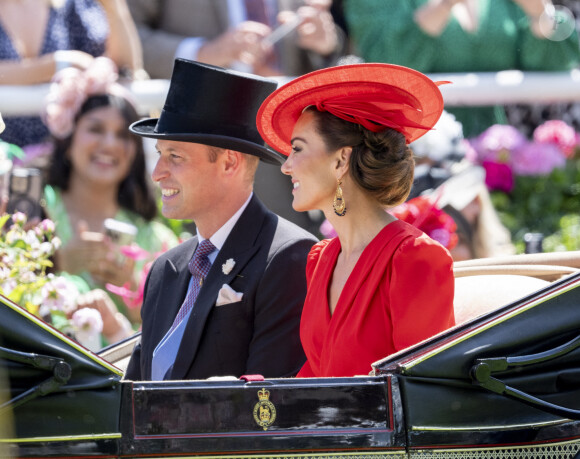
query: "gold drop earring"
338, 204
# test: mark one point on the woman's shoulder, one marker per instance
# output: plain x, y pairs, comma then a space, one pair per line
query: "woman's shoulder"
414, 243
402, 240
316, 252
319, 247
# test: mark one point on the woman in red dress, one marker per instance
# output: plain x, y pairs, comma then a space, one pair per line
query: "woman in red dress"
381, 285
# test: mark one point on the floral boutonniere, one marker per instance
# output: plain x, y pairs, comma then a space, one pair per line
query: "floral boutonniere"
228, 266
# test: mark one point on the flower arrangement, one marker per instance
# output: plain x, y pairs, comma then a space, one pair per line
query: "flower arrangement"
423, 213
71, 87
25, 277
534, 184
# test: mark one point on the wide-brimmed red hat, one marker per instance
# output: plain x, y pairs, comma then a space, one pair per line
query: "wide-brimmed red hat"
372, 94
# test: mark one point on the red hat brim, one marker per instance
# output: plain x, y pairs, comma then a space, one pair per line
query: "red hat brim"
281, 109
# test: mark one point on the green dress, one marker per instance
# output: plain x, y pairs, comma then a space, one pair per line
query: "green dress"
152, 236
385, 31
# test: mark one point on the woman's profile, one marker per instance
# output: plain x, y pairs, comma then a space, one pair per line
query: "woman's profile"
381, 285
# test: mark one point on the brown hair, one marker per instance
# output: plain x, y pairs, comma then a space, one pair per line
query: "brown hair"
252, 161
135, 193
380, 163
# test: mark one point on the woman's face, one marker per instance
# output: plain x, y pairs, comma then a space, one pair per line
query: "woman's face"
102, 150
311, 167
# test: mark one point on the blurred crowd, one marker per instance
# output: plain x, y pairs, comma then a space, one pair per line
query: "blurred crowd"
78, 160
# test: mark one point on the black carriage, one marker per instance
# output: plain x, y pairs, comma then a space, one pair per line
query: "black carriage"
505, 384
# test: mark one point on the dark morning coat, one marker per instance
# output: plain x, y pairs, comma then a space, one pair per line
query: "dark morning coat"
259, 334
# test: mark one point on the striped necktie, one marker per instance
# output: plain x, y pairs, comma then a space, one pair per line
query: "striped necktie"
199, 267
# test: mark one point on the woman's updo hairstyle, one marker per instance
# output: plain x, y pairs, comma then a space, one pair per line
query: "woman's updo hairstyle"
380, 163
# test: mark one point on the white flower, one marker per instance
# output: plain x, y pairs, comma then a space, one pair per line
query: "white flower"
228, 266
31, 239
56, 242
46, 249
27, 276
12, 236
4, 273
87, 325
8, 286
87, 320
58, 294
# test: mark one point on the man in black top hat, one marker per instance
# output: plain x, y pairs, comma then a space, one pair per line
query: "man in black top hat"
238, 310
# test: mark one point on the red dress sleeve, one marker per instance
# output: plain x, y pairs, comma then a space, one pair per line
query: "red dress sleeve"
313, 257
421, 291
311, 264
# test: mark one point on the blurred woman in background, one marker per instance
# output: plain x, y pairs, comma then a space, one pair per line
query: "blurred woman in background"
97, 172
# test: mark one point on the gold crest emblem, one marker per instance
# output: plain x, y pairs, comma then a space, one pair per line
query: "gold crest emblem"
264, 410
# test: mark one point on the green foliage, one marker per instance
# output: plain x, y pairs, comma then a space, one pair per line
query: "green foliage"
544, 204
10, 151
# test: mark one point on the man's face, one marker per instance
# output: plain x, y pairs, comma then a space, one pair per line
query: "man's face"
189, 180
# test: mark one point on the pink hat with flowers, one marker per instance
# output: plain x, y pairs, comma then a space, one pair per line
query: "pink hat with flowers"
71, 87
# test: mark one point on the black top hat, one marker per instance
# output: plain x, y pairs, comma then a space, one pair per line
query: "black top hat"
212, 106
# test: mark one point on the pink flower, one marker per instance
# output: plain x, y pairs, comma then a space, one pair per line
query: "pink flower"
19, 218
133, 299
87, 319
64, 99
134, 252
327, 230
445, 237
100, 75
559, 133
498, 176
58, 294
87, 324
470, 152
8, 286
497, 143
538, 159
423, 213
47, 226
71, 87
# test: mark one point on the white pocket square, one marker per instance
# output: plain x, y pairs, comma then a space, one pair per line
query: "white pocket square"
228, 295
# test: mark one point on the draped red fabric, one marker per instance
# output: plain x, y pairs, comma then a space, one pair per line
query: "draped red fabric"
375, 111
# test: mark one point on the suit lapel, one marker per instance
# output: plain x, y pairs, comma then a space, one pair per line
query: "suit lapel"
172, 288
176, 278
241, 245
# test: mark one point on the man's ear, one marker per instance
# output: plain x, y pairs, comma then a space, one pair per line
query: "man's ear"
232, 161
